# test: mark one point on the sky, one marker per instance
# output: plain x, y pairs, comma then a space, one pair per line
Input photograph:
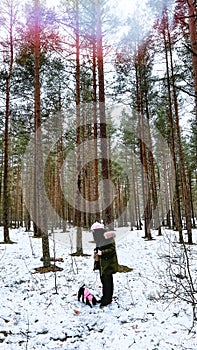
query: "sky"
123, 7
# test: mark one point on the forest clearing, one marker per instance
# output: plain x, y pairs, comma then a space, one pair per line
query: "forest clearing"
151, 307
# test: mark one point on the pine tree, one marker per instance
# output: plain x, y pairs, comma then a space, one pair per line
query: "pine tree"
8, 11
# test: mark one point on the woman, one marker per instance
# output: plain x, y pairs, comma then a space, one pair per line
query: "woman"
105, 260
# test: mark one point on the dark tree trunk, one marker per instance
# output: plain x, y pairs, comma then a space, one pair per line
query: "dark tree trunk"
107, 200
95, 185
177, 209
6, 204
78, 213
41, 215
192, 13
185, 187
152, 179
143, 157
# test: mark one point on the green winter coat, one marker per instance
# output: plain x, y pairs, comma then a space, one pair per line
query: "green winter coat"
108, 259
108, 262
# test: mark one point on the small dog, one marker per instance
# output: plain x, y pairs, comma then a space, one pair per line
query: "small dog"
87, 297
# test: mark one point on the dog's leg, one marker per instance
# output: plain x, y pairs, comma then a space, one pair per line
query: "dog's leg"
88, 303
94, 301
79, 295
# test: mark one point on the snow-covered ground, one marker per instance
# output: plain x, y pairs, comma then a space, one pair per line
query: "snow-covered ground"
41, 311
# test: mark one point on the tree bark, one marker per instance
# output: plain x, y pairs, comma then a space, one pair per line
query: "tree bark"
177, 209
95, 185
185, 187
107, 196
6, 203
192, 12
41, 217
143, 156
79, 247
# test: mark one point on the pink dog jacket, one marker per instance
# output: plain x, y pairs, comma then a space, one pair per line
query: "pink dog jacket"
87, 295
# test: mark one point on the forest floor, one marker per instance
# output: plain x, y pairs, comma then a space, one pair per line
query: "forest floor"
151, 308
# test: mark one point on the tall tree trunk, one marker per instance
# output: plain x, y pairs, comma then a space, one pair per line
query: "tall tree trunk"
61, 155
6, 204
192, 13
167, 199
95, 186
177, 210
57, 192
107, 196
192, 203
19, 200
143, 156
79, 247
41, 218
185, 187
134, 204
152, 178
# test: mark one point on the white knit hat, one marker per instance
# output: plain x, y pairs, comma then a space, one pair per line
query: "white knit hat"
97, 225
